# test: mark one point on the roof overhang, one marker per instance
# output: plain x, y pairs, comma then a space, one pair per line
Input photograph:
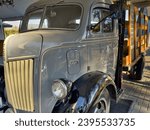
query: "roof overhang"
15, 12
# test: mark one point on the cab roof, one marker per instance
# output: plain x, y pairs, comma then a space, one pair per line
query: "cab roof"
84, 3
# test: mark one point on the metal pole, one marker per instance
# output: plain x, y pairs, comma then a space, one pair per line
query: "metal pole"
121, 20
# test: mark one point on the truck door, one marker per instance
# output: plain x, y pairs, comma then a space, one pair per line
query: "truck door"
102, 41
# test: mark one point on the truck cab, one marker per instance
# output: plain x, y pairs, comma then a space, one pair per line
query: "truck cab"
64, 59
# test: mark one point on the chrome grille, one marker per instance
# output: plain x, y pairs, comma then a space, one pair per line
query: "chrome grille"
19, 84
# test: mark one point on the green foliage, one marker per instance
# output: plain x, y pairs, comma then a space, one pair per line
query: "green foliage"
10, 31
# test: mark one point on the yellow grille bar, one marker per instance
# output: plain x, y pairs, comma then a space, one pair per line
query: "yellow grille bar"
19, 84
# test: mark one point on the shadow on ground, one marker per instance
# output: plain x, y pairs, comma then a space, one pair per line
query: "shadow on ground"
122, 106
147, 67
148, 52
146, 75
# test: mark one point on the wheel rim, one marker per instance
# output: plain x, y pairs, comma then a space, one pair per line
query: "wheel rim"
100, 107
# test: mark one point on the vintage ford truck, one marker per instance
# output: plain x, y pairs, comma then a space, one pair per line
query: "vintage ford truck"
65, 58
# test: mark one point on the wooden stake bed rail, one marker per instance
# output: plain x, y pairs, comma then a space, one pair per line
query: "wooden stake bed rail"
136, 35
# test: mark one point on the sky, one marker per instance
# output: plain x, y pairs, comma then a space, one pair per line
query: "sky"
14, 23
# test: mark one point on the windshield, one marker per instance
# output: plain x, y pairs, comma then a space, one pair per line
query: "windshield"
59, 17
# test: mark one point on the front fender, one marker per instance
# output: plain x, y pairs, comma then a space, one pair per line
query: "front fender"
89, 87
86, 90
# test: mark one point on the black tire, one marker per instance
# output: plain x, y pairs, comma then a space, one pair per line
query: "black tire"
136, 72
2, 84
102, 104
8, 110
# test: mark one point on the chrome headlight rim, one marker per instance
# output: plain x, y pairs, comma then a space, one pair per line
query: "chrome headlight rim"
59, 89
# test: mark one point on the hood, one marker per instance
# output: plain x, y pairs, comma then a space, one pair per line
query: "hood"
53, 38
22, 46
31, 44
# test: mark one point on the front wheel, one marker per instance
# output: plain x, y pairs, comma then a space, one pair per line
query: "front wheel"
102, 104
2, 87
8, 110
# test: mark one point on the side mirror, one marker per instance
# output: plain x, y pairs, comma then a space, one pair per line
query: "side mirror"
114, 8
118, 7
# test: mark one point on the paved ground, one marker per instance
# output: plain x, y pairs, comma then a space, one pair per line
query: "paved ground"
135, 99
136, 94
146, 77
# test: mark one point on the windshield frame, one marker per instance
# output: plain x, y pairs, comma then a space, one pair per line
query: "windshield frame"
21, 30
43, 16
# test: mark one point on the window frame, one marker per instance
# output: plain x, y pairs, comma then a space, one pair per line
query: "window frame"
21, 30
39, 19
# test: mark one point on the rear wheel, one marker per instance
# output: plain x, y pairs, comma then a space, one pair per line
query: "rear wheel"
136, 72
102, 105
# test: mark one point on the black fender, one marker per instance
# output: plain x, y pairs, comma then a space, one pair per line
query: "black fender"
89, 87
86, 90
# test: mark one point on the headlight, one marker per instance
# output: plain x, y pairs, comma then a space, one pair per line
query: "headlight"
59, 89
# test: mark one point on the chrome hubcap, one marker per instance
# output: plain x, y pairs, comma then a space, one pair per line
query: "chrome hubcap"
100, 107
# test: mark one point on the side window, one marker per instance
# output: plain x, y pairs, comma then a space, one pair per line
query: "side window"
95, 18
34, 19
107, 24
98, 14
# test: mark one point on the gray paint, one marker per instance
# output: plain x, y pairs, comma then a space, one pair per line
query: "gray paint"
23, 45
63, 54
